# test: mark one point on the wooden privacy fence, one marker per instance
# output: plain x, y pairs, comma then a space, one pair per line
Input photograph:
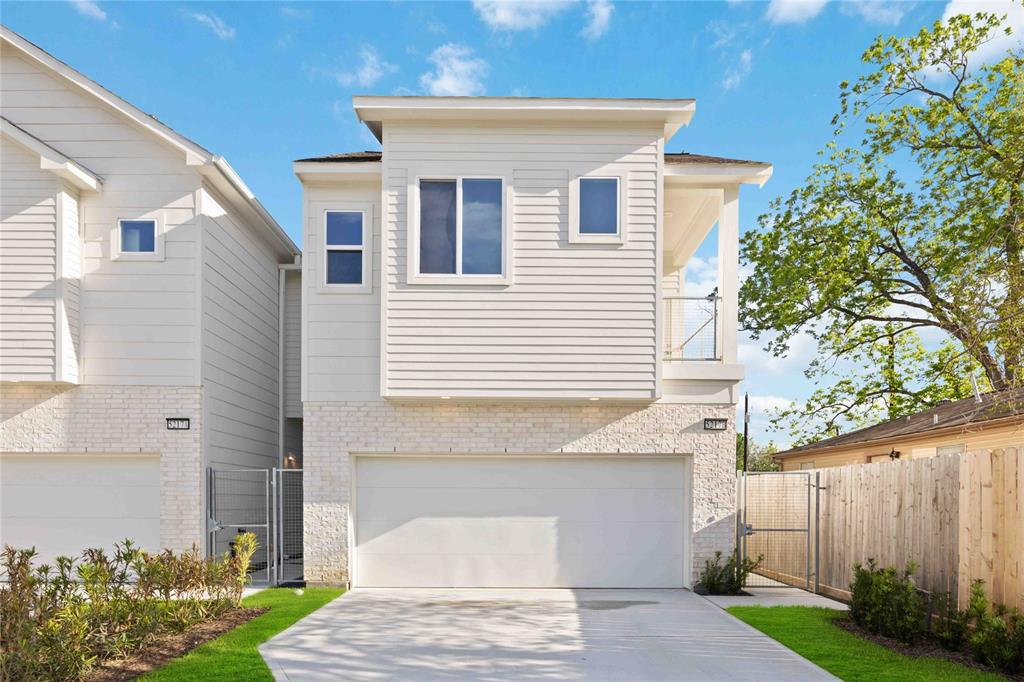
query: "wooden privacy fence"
957, 517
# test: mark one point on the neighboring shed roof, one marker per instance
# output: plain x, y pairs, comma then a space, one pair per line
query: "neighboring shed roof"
674, 159
993, 406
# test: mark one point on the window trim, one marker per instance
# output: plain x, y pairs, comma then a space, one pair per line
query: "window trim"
157, 254
414, 276
577, 237
366, 247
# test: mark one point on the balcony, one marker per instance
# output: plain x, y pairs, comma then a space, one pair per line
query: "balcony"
691, 328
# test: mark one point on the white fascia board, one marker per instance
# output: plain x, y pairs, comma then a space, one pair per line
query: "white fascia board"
374, 110
326, 171
701, 173
52, 160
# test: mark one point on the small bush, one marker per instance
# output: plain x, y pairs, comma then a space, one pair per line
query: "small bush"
886, 601
57, 621
727, 578
998, 636
948, 625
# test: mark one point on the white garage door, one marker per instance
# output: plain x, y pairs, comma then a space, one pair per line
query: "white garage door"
64, 504
520, 522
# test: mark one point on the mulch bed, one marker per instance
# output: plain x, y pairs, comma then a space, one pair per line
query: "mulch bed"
920, 649
168, 646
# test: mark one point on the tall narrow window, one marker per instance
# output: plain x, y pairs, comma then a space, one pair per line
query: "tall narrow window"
344, 245
461, 227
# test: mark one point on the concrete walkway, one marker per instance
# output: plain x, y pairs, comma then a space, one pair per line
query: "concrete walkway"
777, 596
491, 635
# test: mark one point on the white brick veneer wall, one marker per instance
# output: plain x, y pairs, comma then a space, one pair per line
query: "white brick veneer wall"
43, 418
333, 430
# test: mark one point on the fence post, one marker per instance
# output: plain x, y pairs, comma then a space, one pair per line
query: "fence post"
817, 532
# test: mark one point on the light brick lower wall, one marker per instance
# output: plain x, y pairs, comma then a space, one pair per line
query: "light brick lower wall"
333, 430
43, 418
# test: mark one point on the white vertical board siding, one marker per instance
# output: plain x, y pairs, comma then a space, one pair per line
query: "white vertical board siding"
292, 344
137, 318
28, 267
341, 329
240, 341
578, 320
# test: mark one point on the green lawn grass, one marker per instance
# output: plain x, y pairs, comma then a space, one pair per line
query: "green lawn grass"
233, 655
809, 631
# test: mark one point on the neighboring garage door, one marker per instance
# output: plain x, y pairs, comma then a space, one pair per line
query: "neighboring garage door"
521, 522
64, 504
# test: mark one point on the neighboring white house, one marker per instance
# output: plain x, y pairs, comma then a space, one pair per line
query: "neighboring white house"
139, 291
502, 384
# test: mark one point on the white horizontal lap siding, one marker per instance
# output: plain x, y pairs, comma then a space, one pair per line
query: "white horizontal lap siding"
28, 266
293, 344
137, 321
240, 341
577, 320
341, 329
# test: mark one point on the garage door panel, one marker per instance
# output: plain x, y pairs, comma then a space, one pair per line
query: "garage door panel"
403, 504
62, 505
522, 472
540, 537
520, 522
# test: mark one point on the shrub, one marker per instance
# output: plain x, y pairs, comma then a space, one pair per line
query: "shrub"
998, 636
886, 601
948, 625
727, 578
57, 621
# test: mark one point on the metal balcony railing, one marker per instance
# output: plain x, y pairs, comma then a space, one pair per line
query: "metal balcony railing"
690, 327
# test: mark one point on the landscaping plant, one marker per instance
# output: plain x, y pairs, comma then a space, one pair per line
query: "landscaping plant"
727, 578
886, 602
997, 638
57, 622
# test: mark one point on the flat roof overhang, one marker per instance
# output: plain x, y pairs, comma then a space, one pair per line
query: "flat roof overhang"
373, 111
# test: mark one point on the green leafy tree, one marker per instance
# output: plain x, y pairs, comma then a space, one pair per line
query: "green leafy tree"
759, 457
913, 220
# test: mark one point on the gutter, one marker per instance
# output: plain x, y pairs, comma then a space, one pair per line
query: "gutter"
236, 182
282, 270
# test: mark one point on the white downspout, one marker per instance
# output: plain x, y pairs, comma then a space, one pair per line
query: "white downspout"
282, 270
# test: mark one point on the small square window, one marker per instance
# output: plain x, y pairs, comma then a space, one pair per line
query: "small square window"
599, 206
344, 267
138, 236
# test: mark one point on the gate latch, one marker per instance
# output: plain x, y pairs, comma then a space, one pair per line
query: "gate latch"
213, 525
748, 529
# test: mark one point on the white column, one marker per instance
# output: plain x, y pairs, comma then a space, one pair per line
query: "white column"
728, 272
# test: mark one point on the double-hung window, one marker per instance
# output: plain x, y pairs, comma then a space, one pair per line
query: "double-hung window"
461, 231
346, 249
596, 210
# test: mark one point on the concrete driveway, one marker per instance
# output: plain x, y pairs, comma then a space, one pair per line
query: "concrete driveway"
528, 635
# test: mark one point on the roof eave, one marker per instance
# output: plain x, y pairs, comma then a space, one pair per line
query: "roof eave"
51, 159
701, 173
337, 170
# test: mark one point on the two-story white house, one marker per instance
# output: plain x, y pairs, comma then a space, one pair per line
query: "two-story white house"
141, 285
502, 382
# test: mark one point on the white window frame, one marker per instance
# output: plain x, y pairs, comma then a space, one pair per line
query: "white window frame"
414, 276
158, 240
577, 237
366, 285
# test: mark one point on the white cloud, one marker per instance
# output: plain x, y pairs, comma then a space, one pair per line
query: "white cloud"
599, 18
1000, 43
371, 69
89, 8
735, 74
518, 15
793, 11
294, 12
890, 12
214, 23
457, 71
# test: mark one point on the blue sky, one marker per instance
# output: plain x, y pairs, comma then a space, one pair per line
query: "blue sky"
266, 83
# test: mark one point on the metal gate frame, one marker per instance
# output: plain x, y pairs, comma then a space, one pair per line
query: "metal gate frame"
272, 518
811, 529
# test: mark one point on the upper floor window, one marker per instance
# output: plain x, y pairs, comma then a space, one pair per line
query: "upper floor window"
461, 230
138, 239
346, 249
596, 213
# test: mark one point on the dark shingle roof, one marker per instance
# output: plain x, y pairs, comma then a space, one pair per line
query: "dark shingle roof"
994, 405
350, 157
684, 158
674, 159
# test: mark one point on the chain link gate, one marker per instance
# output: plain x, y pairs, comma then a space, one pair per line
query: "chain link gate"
266, 502
777, 521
